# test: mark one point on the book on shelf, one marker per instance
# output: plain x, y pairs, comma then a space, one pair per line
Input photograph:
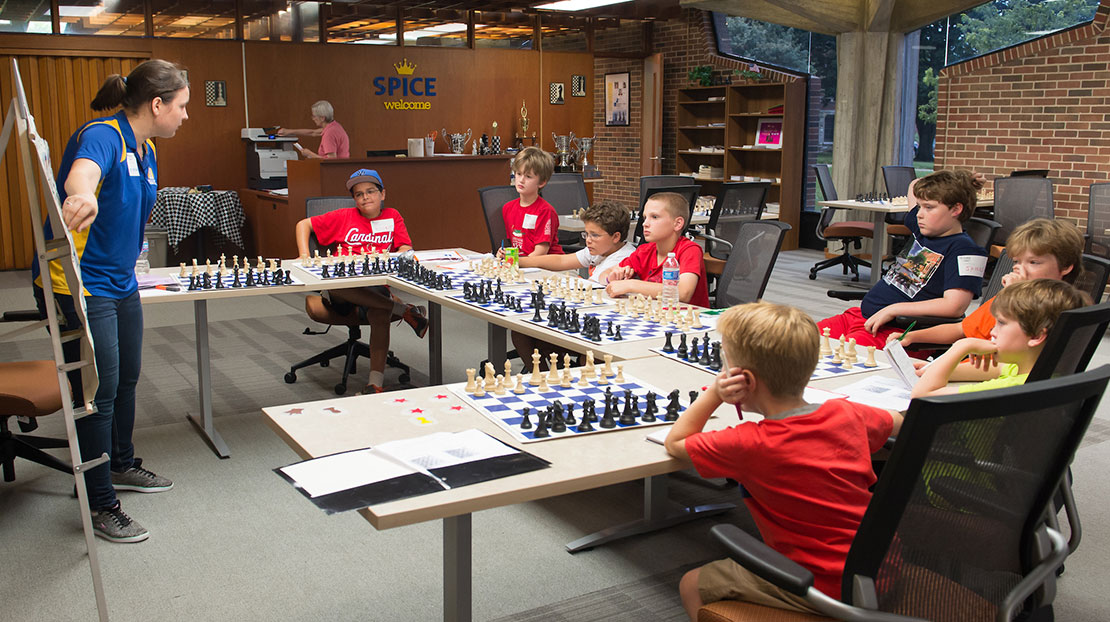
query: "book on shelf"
775, 109
405, 468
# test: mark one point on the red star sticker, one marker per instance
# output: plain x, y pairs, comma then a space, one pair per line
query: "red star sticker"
400, 400
294, 411
441, 397
705, 388
332, 409
417, 411
456, 408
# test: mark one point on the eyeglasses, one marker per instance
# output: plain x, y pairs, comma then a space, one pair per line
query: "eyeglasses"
592, 236
367, 193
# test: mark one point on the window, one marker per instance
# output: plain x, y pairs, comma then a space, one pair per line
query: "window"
563, 33
198, 19
125, 18
511, 31
429, 28
25, 16
368, 25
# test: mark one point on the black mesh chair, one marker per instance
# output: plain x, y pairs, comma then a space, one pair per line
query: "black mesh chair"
1019, 199
338, 314
983, 231
690, 192
956, 528
655, 181
1030, 172
736, 203
897, 181
750, 262
493, 199
566, 192
1098, 220
848, 233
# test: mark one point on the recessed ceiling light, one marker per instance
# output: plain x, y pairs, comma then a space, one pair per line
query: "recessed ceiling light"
578, 5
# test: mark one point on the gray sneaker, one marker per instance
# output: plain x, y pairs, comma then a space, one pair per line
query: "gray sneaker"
116, 526
139, 479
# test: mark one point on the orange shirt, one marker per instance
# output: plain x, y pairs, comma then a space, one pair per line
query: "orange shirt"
980, 322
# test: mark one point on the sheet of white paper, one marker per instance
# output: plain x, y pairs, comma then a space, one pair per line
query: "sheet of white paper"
445, 449
901, 363
447, 255
879, 391
343, 471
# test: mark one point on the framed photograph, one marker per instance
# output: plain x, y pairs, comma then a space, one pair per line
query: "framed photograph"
616, 98
557, 93
215, 93
578, 86
769, 133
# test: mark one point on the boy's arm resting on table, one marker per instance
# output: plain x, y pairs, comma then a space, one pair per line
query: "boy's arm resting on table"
690, 422
952, 304
303, 230
935, 377
624, 287
551, 262
540, 249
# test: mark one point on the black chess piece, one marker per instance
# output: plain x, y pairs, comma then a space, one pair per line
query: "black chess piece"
553, 316
526, 423
235, 277
324, 272
219, 281
570, 415
617, 337
672, 407
705, 359
650, 409
537, 317
692, 354
192, 283
541, 426
667, 346
628, 416
693, 396
607, 420
584, 425
609, 329
206, 280
558, 424
250, 277
715, 363
682, 349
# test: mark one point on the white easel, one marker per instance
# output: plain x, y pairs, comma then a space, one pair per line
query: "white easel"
59, 249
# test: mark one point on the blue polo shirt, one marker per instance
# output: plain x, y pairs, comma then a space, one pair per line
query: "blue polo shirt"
128, 185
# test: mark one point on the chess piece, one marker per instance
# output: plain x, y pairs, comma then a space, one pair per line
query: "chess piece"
846, 364
470, 372
541, 426
826, 350
870, 357
537, 375
672, 407
851, 351
602, 379
182, 273
508, 371
696, 323
590, 370
682, 348
490, 379
565, 382
617, 337
543, 388
479, 390
608, 370
519, 388
499, 385
553, 368
837, 355
583, 381
620, 374
667, 346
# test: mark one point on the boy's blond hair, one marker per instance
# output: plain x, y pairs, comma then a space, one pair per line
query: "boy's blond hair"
1044, 236
610, 216
536, 161
779, 344
1036, 305
675, 204
950, 188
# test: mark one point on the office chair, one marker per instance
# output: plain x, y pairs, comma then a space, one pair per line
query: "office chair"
750, 262
351, 316
689, 191
655, 181
1019, 199
847, 233
1098, 220
493, 198
566, 192
1032, 172
897, 181
736, 203
955, 529
29, 390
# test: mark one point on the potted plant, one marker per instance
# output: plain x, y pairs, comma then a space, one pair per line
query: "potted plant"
751, 74
702, 75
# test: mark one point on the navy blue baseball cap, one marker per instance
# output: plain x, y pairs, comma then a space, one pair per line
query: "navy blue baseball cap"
365, 174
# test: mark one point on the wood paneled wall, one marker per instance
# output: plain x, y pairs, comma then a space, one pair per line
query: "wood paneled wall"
474, 88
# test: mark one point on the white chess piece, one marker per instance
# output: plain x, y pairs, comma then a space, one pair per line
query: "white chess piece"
620, 374
589, 370
826, 349
553, 368
470, 373
870, 357
182, 269
608, 370
519, 388
565, 382
536, 373
543, 388
508, 370
499, 387
479, 391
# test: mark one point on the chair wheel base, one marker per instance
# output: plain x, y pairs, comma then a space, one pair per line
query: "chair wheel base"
404, 378
340, 389
812, 275
325, 363
290, 378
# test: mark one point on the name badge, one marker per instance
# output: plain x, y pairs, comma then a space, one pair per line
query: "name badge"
132, 165
972, 265
530, 221
384, 225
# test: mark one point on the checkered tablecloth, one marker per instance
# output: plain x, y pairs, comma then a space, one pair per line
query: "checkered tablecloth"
183, 214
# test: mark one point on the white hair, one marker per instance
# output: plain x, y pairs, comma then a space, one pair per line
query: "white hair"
323, 108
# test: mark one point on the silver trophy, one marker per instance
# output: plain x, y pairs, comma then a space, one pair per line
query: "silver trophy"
457, 142
565, 162
583, 146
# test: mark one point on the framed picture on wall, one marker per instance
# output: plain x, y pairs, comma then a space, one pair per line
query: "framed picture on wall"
578, 86
557, 93
616, 98
215, 93
769, 133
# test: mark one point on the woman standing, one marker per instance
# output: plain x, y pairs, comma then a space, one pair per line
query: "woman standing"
107, 181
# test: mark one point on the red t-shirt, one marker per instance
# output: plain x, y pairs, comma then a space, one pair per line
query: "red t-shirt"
334, 140
645, 262
528, 226
979, 322
348, 227
805, 479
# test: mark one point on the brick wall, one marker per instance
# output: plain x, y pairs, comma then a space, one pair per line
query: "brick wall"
1041, 104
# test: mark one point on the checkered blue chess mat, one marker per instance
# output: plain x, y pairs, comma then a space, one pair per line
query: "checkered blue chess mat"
826, 368
229, 281
317, 271
525, 298
463, 275
632, 328
505, 410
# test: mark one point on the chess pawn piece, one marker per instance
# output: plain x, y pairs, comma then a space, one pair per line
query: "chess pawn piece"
838, 356
870, 357
565, 382
499, 388
470, 373
543, 388
852, 349
602, 379
479, 390
537, 376
608, 370
846, 363
207, 267
620, 374
826, 349
583, 381
553, 367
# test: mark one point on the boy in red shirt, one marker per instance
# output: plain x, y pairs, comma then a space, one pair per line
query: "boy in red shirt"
368, 227
665, 216
805, 468
530, 222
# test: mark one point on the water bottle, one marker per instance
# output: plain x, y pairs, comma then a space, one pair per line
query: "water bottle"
670, 281
142, 264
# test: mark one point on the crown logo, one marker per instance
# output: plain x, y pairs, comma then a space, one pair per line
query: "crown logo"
405, 68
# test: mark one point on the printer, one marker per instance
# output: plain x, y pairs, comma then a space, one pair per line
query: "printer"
266, 158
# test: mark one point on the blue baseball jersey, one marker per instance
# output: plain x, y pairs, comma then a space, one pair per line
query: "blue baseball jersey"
125, 195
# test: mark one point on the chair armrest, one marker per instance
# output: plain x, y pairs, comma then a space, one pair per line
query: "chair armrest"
765, 562
1053, 551
847, 294
716, 239
23, 315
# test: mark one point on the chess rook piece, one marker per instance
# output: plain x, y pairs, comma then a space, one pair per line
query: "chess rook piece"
870, 362
470, 373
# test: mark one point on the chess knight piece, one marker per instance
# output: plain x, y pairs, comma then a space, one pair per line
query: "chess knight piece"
519, 144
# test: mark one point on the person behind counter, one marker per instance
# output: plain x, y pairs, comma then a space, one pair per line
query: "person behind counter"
333, 138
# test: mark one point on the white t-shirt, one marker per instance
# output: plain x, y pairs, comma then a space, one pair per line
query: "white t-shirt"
598, 264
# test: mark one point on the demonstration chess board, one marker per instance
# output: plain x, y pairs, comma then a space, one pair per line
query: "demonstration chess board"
632, 328
228, 281
506, 410
359, 269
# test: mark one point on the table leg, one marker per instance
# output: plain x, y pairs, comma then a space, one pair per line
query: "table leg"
656, 516
497, 345
203, 419
878, 246
457, 576
435, 343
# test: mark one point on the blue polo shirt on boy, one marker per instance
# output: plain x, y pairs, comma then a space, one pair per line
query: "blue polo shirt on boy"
128, 185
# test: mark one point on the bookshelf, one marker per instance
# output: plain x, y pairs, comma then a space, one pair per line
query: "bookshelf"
719, 127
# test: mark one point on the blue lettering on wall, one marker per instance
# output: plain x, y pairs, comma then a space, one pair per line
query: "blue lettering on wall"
423, 87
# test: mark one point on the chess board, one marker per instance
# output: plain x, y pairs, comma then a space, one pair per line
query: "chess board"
465, 275
525, 298
632, 328
317, 271
825, 367
229, 280
505, 410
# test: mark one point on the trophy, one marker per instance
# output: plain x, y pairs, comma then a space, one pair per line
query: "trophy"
583, 146
564, 162
457, 142
519, 143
